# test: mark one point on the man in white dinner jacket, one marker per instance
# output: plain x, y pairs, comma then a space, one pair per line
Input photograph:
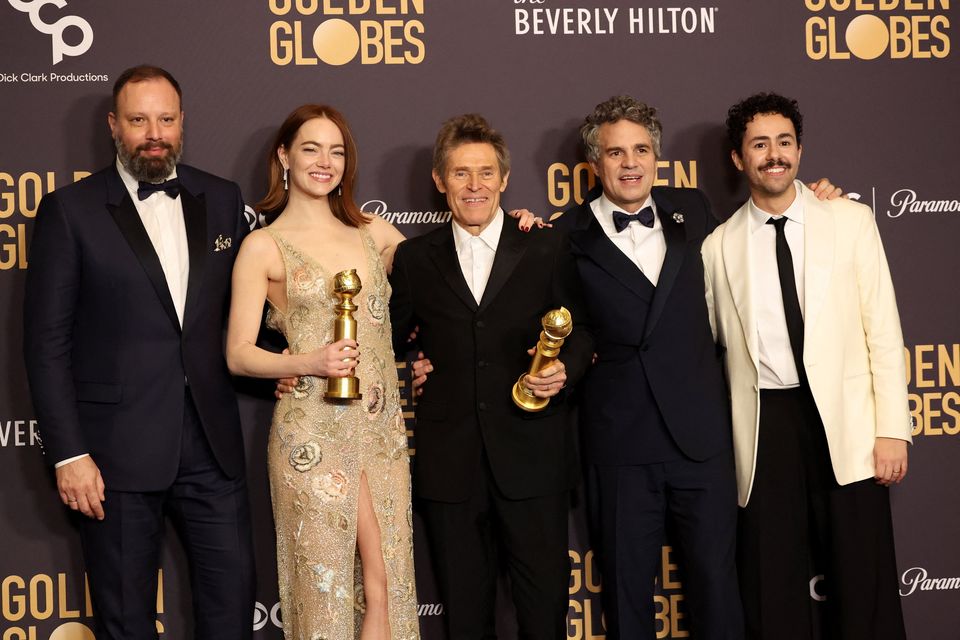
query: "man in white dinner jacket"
800, 297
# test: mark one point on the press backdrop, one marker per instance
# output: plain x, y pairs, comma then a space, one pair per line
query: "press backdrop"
877, 81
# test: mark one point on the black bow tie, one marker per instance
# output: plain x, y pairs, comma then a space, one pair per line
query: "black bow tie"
171, 187
644, 217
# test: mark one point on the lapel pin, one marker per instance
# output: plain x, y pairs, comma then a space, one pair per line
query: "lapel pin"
678, 217
222, 244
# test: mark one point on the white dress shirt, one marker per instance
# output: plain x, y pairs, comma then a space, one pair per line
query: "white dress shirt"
476, 253
162, 217
645, 246
778, 370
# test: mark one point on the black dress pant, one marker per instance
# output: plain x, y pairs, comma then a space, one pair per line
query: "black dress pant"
466, 542
212, 516
629, 509
799, 521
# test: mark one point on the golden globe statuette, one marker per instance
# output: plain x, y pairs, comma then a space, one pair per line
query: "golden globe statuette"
557, 325
346, 284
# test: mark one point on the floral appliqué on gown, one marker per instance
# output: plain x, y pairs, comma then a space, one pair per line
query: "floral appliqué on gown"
317, 451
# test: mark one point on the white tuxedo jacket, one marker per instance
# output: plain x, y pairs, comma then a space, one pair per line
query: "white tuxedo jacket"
853, 346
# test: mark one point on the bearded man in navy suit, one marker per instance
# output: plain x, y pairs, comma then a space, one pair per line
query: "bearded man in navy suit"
126, 298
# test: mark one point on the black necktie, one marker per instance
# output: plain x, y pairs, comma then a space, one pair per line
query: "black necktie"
788, 289
146, 189
644, 217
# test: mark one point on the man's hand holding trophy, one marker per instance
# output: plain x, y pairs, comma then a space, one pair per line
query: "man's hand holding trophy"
547, 375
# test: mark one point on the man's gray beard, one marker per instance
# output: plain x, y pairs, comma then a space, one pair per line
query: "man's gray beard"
148, 169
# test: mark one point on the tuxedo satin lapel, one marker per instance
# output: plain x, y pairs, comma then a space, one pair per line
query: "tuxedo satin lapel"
116, 191
675, 235
736, 265
195, 221
817, 259
128, 220
443, 253
509, 252
594, 244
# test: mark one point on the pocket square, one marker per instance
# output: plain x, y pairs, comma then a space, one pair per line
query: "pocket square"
222, 244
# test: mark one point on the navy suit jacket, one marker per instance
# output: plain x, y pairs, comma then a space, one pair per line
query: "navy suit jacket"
478, 352
106, 357
657, 391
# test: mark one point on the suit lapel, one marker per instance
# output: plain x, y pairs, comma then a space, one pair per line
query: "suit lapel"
125, 215
817, 258
509, 251
592, 242
195, 221
675, 235
443, 253
736, 265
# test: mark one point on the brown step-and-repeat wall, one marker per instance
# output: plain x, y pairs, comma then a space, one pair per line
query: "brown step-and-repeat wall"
878, 82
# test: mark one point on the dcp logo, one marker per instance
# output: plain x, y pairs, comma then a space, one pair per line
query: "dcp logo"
57, 29
253, 219
261, 617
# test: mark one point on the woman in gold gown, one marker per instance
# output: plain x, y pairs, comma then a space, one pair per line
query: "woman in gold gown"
339, 470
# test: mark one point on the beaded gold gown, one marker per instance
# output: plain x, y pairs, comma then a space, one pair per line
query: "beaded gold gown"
318, 450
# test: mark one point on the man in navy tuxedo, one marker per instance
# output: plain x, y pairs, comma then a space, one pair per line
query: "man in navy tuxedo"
125, 304
655, 418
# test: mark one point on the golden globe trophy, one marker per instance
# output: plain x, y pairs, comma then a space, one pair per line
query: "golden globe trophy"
557, 325
346, 284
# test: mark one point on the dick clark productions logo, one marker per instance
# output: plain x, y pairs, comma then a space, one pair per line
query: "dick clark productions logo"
57, 29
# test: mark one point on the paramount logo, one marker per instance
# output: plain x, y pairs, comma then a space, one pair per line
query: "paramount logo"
916, 578
379, 207
430, 609
906, 201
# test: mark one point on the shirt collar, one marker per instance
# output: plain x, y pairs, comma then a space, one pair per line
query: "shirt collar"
759, 217
131, 183
490, 235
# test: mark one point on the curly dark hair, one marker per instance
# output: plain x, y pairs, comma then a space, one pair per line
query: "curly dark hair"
740, 114
613, 110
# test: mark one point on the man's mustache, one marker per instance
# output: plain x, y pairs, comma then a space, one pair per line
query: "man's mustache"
149, 146
776, 163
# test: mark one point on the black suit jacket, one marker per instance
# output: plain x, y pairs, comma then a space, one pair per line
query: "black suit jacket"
657, 391
106, 357
478, 353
